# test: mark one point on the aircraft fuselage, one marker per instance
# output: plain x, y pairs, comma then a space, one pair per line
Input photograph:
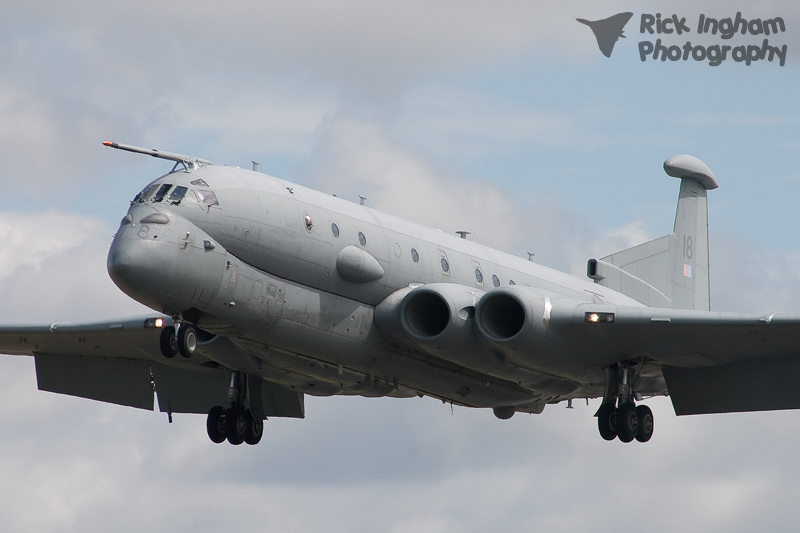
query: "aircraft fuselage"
313, 285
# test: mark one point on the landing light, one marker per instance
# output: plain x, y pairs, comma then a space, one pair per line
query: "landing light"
154, 323
599, 318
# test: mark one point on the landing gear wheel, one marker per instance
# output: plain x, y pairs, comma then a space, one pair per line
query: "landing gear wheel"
645, 416
215, 424
187, 340
236, 425
169, 343
607, 421
627, 422
255, 429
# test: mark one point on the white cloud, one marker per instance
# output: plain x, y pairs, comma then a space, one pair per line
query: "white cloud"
52, 267
408, 104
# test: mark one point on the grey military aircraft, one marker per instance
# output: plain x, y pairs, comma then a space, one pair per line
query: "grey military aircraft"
264, 291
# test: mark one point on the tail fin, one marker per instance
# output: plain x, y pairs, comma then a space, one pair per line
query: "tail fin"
671, 271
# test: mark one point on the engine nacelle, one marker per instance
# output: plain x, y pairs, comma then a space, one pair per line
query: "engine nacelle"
437, 318
516, 322
442, 319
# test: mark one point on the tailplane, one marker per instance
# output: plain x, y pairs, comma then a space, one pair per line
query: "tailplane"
671, 271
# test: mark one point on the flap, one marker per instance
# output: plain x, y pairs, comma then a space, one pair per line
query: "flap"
754, 385
107, 379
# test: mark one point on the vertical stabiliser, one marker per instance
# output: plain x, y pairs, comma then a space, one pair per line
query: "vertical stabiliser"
671, 271
688, 255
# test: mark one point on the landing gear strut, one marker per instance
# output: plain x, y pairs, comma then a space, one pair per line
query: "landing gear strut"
235, 423
618, 415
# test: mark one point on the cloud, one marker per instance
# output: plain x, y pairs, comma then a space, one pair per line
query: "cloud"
52, 267
494, 117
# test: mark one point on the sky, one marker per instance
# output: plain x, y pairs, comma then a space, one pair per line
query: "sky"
501, 118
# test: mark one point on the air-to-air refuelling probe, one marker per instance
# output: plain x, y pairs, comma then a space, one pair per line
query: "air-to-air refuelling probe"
265, 291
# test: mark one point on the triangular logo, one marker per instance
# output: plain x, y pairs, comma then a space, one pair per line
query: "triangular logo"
607, 31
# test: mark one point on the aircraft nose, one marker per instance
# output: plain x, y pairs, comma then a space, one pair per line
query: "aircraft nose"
119, 263
162, 262
134, 264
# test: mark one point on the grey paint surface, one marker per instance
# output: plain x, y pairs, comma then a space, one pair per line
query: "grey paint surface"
316, 295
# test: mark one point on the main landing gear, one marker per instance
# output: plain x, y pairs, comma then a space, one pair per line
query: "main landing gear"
628, 422
235, 423
619, 416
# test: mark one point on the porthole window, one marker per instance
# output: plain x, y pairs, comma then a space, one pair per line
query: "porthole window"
444, 263
495, 280
308, 221
414, 255
511, 282
362, 239
335, 229
479, 276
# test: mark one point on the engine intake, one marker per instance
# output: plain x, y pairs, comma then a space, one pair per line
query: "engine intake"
437, 319
510, 312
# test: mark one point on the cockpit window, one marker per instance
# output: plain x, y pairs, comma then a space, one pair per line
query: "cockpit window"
146, 193
162, 192
177, 195
140, 197
158, 191
207, 196
192, 196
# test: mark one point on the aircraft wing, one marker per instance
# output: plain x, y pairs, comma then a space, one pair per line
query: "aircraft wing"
712, 362
117, 361
106, 361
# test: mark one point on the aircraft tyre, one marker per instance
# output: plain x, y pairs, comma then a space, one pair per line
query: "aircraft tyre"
215, 424
187, 340
168, 343
627, 422
645, 416
255, 429
236, 425
607, 421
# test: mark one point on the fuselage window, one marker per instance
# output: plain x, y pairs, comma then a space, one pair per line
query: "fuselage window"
335, 229
177, 195
309, 223
495, 280
414, 255
162, 192
511, 282
362, 239
445, 264
207, 196
479, 276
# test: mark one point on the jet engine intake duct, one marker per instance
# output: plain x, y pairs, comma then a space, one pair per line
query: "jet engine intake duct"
427, 314
502, 316
437, 319
510, 312
516, 322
